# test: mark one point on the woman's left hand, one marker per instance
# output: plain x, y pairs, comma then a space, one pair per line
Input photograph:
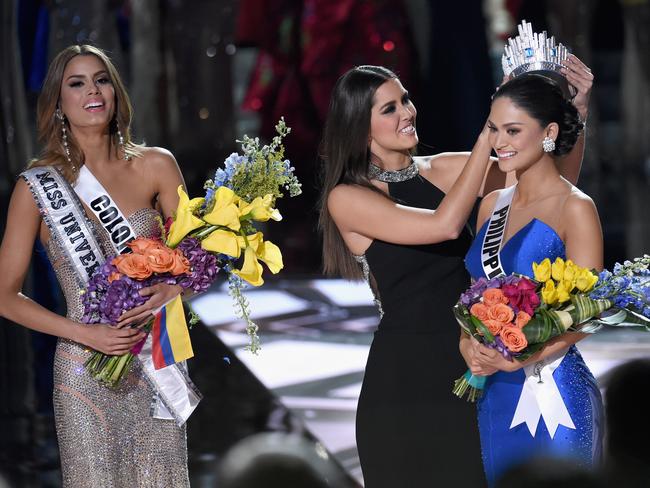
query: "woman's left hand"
580, 76
491, 358
158, 295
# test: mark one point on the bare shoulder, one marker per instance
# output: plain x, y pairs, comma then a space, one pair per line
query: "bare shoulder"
22, 197
161, 167
158, 157
347, 196
579, 205
490, 199
347, 202
487, 205
23, 210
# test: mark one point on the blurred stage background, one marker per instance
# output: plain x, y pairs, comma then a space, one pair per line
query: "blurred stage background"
202, 73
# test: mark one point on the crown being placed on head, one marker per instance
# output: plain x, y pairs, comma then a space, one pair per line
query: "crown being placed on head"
530, 51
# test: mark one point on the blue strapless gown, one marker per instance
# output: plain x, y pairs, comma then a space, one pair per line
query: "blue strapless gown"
503, 447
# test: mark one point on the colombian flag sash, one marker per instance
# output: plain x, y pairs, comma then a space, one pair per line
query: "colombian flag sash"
170, 337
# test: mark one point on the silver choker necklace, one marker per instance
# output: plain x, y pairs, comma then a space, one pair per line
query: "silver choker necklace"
376, 173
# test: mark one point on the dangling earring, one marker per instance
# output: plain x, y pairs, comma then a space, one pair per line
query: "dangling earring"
120, 141
548, 144
64, 136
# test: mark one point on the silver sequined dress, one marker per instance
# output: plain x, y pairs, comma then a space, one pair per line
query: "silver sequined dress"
107, 438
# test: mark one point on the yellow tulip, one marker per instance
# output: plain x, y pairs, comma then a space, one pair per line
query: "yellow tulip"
222, 241
184, 221
260, 209
563, 290
251, 271
586, 280
225, 212
557, 269
570, 272
542, 271
549, 293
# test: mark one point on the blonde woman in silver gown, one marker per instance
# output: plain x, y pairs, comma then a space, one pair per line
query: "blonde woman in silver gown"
107, 438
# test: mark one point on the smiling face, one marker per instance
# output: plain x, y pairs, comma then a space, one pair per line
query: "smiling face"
392, 120
515, 136
87, 95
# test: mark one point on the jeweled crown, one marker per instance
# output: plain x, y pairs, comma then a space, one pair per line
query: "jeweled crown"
532, 51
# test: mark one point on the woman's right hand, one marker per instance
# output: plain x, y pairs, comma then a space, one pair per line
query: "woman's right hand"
485, 133
476, 366
109, 339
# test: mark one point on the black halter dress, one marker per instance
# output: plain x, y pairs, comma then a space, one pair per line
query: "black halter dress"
411, 430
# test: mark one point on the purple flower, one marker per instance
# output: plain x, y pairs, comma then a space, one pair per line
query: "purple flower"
204, 267
499, 346
105, 301
474, 292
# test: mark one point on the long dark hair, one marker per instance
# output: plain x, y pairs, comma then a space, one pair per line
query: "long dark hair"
542, 98
345, 156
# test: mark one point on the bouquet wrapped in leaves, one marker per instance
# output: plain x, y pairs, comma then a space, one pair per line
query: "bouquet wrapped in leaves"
517, 315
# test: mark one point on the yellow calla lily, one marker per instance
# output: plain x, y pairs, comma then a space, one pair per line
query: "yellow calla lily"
185, 221
260, 209
257, 249
222, 241
252, 240
271, 255
225, 212
251, 271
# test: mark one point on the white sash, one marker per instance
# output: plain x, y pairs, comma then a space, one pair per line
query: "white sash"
540, 396
176, 396
491, 248
65, 218
93, 194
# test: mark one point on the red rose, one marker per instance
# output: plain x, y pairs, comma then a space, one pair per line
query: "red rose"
522, 296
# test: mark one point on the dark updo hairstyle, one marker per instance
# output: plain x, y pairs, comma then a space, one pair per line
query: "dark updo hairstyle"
542, 99
345, 155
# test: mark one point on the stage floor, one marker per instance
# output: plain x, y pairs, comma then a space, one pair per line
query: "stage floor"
315, 337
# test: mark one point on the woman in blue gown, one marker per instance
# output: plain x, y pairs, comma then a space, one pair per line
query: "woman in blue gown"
549, 405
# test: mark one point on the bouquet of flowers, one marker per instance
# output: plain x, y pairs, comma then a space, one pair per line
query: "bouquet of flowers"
517, 315
115, 288
205, 235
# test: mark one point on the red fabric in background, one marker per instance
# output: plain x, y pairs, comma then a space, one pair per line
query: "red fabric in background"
306, 45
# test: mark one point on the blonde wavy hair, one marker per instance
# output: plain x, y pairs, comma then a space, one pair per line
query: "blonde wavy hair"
49, 125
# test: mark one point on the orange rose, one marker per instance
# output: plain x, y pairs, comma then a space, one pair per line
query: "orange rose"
513, 338
492, 296
479, 311
501, 312
160, 259
494, 326
141, 245
133, 265
181, 263
114, 276
522, 319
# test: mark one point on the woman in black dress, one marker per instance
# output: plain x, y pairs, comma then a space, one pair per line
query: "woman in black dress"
400, 223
